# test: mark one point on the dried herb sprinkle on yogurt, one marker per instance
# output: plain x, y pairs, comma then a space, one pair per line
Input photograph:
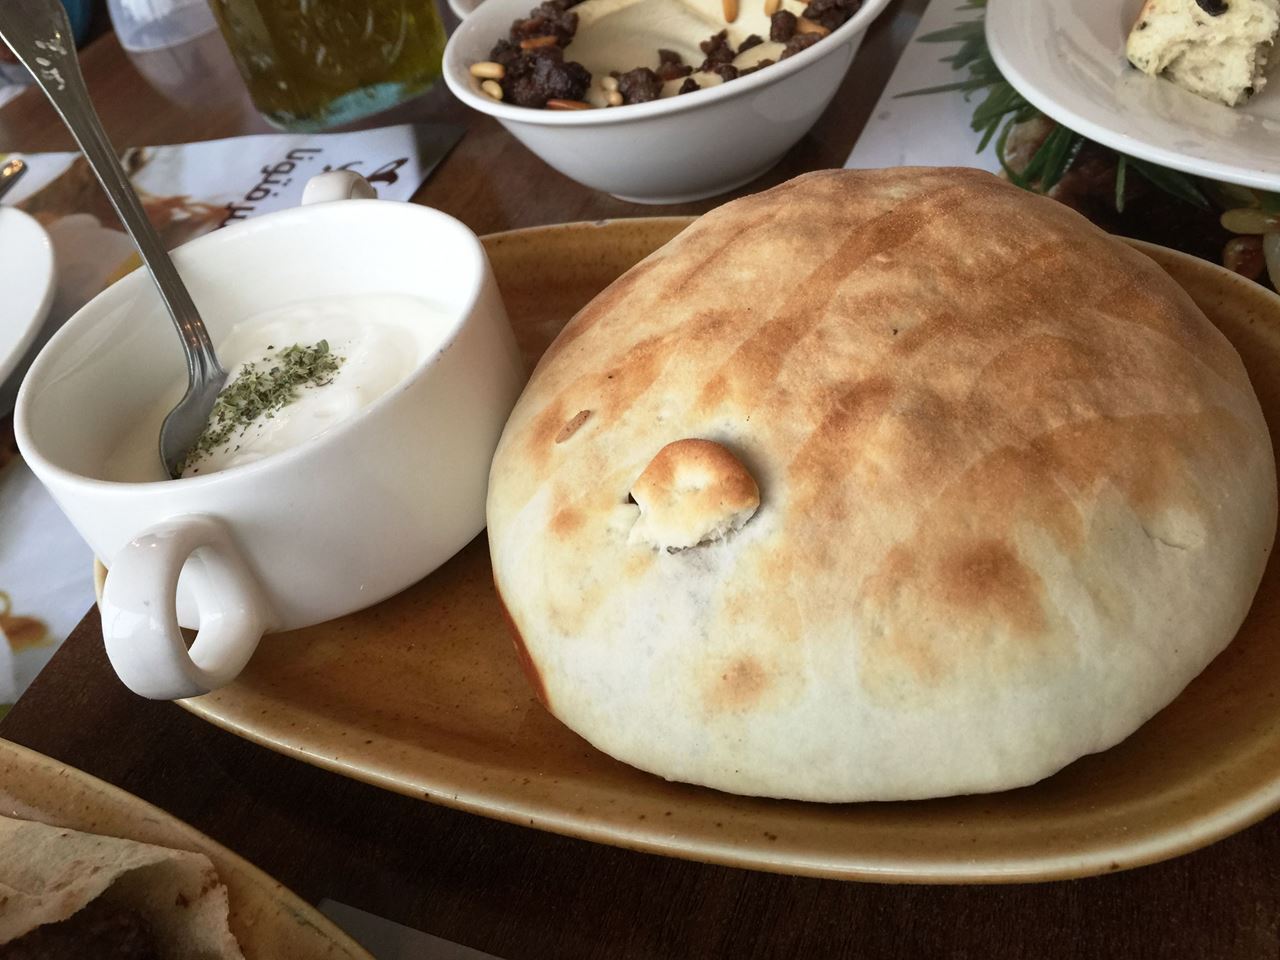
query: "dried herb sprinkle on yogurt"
262, 389
297, 370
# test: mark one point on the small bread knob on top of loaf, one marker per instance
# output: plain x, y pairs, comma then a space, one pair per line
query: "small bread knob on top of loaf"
693, 492
970, 489
1217, 49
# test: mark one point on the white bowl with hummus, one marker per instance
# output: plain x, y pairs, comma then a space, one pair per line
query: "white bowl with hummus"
373, 476
679, 147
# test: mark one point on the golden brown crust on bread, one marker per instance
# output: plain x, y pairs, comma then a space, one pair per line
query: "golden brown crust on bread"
993, 442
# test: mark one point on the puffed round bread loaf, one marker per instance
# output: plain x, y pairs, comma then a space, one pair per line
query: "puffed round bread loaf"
879, 485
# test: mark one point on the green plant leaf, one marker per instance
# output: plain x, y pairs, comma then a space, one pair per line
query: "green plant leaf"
1171, 182
943, 88
961, 31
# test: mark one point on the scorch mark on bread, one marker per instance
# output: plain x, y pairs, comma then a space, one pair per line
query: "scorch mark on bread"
739, 685
572, 427
611, 388
527, 664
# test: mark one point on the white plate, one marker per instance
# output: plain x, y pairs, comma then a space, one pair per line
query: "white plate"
26, 284
1067, 58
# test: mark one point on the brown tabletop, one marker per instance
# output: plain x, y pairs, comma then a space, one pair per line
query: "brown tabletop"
516, 892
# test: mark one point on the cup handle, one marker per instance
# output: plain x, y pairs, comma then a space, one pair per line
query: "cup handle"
140, 617
337, 185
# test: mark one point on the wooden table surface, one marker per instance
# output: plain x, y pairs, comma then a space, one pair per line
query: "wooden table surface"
516, 892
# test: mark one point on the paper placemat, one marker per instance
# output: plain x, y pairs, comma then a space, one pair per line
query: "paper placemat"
930, 130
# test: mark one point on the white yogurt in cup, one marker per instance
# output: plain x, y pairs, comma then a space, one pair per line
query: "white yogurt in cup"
323, 523
377, 340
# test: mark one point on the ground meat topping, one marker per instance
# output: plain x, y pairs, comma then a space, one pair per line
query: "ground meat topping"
782, 26
639, 85
528, 67
718, 50
505, 52
543, 74
831, 13
759, 66
671, 65
532, 57
801, 41
547, 19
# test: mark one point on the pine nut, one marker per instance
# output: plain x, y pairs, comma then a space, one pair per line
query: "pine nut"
804, 25
492, 88
488, 70
1250, 220
533, 43
730, 10
568, 105
615, 98
771, 7
609, 83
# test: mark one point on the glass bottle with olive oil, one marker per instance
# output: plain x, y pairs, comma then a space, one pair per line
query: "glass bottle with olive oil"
313, 64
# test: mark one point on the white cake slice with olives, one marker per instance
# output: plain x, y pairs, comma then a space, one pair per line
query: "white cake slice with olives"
1218, 49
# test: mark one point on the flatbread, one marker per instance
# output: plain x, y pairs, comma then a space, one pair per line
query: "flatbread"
1015, 491
48, 874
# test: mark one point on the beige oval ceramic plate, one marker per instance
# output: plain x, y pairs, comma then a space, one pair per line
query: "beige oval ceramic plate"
269, 922
422, 694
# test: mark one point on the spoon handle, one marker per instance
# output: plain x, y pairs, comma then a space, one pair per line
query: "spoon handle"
38, 33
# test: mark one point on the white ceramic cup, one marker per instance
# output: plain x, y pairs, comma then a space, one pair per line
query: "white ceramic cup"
326, 528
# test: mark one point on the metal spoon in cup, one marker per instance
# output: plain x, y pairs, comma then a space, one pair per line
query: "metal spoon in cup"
38, 33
